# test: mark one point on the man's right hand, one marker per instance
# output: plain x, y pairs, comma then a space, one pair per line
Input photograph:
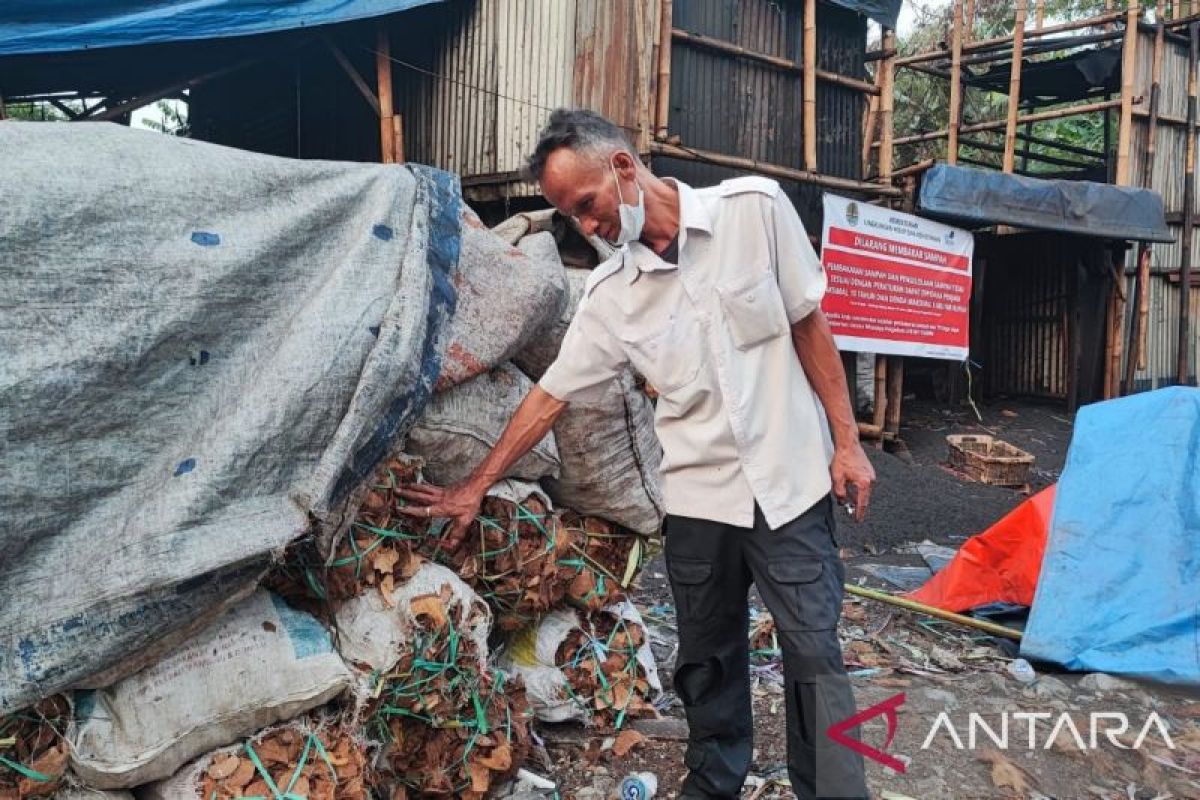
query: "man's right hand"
459, 503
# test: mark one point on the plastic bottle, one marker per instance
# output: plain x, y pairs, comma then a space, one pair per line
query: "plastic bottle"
639, 786
1022, 671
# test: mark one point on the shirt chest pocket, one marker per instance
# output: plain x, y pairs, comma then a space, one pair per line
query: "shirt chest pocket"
753, 310
669, 357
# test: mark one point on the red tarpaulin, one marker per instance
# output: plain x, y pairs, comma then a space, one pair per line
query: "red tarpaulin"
1000, 565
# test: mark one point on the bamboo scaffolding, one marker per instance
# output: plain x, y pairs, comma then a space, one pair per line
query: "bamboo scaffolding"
1045, 159
1014, 87
662, 107
809, 79
887, 100
969, 26
383, 71
1041, 116
983, 44
1189, 193
772, 170
778, 62
1039, 14
955, 119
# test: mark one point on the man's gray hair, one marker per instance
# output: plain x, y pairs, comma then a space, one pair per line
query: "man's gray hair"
580, 130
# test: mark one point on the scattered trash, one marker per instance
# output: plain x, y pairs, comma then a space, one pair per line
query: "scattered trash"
1022, 671
639, 786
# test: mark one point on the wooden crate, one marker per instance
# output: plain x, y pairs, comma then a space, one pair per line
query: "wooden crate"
989, 460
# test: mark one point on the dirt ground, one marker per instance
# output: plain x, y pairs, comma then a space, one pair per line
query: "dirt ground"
937, 666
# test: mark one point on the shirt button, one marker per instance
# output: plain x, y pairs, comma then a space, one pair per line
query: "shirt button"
750, 297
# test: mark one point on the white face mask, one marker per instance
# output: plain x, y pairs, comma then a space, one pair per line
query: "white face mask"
632, 217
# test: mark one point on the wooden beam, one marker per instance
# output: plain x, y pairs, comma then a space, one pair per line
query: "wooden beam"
355, 78
985, 44
1182, 370
383, 73
1014, 87
879, 55
1128, 68
662, 105
166, 91
1041, 116
955, 116
771, 170
809, 78
887, 104
398, 138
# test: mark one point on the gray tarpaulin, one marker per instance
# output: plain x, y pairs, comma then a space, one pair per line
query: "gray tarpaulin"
199, 348
976, 196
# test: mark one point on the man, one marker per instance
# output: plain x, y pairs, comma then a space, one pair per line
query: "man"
714, 297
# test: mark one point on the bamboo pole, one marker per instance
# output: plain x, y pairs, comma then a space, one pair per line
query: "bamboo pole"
772, 170
1058, 113
1118, 323
984, 44
914, 168
969, 22
778, 62
662, 108
879, 409
887, 103
1189, 194
1014, 87
809, 79
1039, 14
1137, 324
932, 611
1136, 358
956, 43
869, 126
895, 394
1128, 68
383, 71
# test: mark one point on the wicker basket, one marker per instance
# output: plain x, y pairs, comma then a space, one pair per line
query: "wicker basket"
989, 460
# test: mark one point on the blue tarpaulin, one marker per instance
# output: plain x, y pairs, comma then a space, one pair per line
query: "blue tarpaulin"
47, 26
1120, 584
970, 196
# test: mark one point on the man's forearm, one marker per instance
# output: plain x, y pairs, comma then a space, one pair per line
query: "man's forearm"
822, 364
532, 421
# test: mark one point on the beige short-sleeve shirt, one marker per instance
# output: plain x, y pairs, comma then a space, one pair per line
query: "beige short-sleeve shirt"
736, 416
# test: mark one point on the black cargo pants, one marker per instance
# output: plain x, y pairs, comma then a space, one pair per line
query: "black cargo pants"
799, 576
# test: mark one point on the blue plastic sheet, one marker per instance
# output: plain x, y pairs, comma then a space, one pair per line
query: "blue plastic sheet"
47, 26
1120, 584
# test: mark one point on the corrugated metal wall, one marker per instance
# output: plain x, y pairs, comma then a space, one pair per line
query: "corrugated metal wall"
1168, 174
1042, 319
488, 73
739, 107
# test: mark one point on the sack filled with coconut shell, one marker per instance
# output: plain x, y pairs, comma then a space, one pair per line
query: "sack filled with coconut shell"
301, 759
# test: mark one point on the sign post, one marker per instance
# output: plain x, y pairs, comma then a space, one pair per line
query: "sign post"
898, 284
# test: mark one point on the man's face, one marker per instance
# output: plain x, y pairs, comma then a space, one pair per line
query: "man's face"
582, 186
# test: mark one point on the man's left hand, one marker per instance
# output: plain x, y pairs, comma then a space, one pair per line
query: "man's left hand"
853, 477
